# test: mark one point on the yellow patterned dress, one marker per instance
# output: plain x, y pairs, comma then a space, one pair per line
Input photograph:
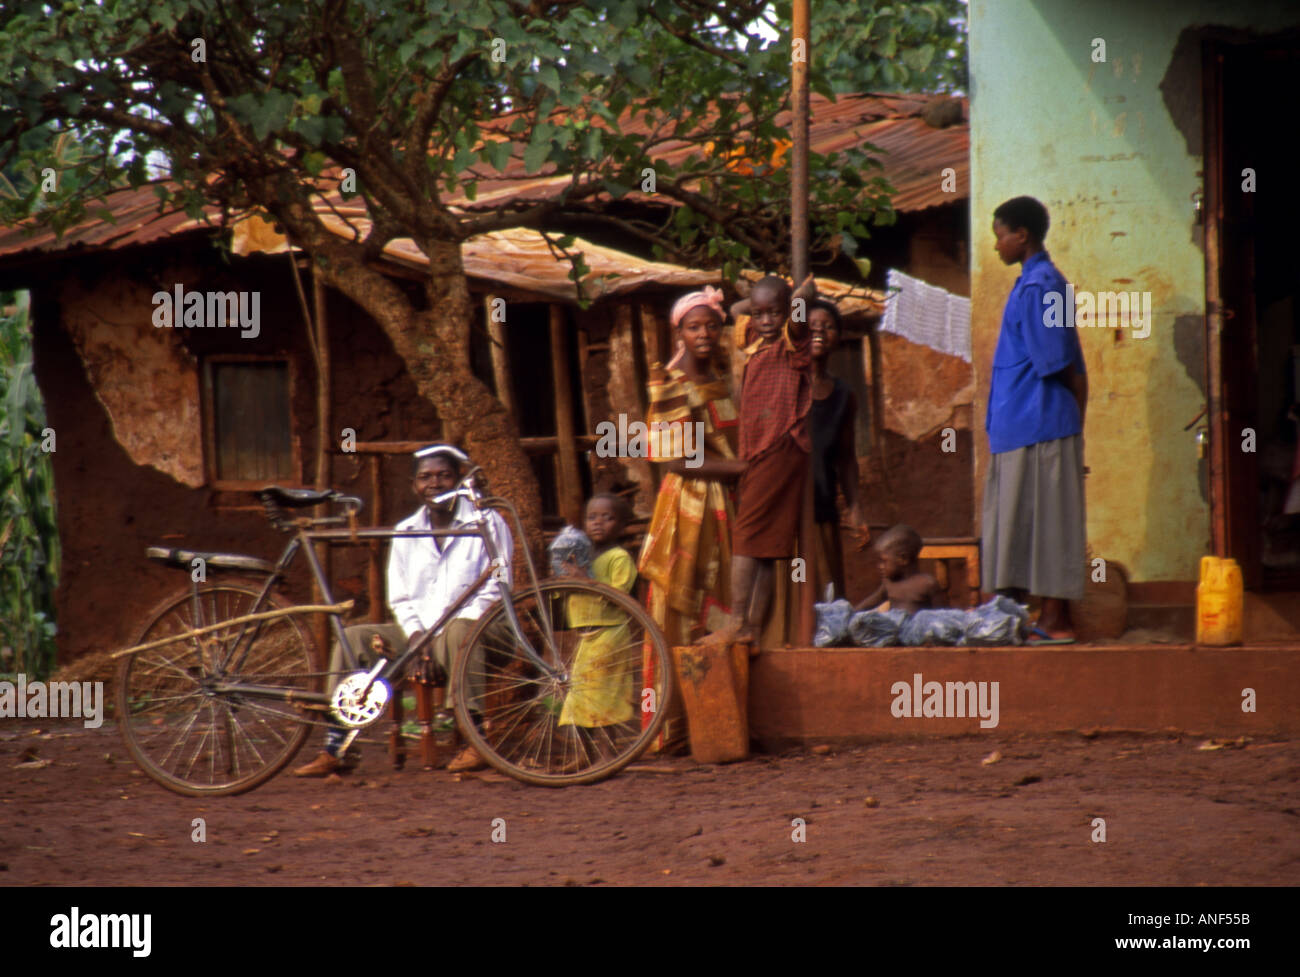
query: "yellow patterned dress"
602, 691
686, 557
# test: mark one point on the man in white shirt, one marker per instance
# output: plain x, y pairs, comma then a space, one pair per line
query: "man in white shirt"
426, 576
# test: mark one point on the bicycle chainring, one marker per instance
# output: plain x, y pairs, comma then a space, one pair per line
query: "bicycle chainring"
352, 708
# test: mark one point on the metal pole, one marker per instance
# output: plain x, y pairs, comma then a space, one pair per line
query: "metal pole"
801, 52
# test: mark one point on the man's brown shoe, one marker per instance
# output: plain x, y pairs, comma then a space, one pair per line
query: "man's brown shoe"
322, 766
468, 759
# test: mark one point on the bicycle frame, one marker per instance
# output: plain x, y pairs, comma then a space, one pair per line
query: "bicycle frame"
308, 533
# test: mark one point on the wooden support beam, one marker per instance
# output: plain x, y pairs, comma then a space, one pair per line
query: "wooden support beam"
324, 439
374, 576
583, 353
627, 395
534, 446
568, 479
500, 359
654, 336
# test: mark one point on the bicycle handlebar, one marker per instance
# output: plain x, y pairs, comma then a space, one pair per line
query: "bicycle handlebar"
467, 488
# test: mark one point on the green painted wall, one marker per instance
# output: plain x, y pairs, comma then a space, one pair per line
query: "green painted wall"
1113, 150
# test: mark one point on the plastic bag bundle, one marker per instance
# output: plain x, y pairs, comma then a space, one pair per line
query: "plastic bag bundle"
999, 622
943, 626
571, 544
876, 629
832, 623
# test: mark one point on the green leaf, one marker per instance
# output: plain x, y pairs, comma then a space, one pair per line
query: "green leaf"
311, 128
498, 154
549, 77
536, 155
465, 158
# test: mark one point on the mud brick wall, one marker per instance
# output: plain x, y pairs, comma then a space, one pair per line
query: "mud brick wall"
124, 401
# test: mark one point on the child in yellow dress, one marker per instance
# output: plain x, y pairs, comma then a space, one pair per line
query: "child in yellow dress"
602, 691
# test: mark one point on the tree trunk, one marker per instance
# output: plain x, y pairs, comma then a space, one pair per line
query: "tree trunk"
434, 344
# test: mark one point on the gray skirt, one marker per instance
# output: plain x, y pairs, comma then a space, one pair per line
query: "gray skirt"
1034, 533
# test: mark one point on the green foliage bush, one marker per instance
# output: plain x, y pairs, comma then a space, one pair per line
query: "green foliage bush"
29, 531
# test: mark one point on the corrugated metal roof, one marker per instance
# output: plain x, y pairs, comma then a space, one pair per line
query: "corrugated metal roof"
914, 157
518, 258
913, 154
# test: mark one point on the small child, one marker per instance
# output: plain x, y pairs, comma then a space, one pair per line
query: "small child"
602, 689
903, 584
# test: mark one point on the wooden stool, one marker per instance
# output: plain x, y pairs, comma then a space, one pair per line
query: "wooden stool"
942, 549
436, 747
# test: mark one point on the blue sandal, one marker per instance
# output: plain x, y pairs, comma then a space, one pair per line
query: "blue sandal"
1037, 636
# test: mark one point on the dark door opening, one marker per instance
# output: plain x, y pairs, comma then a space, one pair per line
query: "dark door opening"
1253, 301
537, 403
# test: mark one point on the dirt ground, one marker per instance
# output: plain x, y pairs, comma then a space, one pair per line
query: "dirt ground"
896, 813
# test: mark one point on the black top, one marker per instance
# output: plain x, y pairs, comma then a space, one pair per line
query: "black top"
825, 421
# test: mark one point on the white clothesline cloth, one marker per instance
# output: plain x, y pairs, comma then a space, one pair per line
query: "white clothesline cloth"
928, 315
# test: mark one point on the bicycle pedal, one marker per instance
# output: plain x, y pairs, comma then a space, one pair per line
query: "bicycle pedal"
381, 647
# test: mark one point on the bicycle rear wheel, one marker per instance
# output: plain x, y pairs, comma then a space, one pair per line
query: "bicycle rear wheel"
590, 712
187, 735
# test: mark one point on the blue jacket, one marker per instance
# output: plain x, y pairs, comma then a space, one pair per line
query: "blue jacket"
1029, 401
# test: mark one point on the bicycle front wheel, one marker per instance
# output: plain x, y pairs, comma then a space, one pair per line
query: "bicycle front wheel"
184, 732
587, 708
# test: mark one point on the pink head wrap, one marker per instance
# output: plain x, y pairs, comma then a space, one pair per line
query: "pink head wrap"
710, 297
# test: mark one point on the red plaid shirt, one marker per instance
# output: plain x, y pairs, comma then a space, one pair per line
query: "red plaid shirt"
776, 395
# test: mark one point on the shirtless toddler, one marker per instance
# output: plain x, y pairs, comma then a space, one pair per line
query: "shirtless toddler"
903, 584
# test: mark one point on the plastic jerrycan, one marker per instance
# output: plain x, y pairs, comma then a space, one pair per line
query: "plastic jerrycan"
1218, 602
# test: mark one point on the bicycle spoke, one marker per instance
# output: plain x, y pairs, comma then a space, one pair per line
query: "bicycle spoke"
514, 710
197, 740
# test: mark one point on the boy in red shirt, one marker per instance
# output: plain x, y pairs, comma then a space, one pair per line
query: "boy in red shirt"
776, 396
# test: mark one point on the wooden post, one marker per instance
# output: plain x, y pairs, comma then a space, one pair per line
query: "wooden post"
801, 53
374, 578
652, 336
569, 482
627, 396
500, 359
323, 392
324, 426
583, 355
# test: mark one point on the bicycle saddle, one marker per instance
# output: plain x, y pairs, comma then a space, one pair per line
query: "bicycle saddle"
298, 498
217, 561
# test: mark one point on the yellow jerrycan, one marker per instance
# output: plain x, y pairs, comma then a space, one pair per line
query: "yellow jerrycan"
1218, 602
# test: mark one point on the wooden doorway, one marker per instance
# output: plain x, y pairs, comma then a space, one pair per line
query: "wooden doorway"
1252, 309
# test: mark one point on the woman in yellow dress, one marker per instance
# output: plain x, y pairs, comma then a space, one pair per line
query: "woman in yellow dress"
686, 557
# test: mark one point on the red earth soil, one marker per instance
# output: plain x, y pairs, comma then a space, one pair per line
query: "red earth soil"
895, 813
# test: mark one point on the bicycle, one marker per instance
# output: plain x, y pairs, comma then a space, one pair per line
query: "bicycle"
223, 684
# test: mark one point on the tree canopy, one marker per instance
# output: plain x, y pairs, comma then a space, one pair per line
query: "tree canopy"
422, 101
264, 105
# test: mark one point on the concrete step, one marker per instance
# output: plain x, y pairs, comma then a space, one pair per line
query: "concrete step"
853, 695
